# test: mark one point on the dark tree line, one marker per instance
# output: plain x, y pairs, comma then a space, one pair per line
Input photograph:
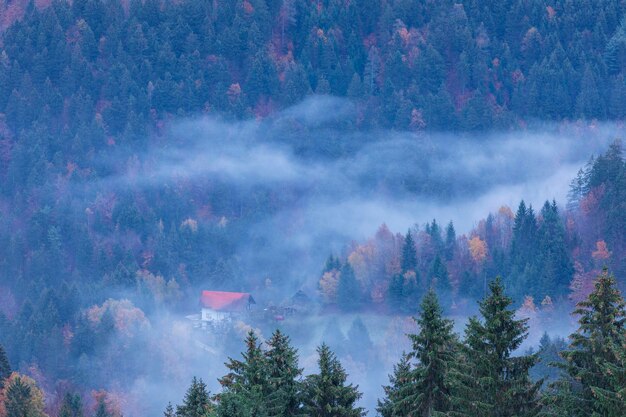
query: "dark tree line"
443, 375
550, 254
435, 65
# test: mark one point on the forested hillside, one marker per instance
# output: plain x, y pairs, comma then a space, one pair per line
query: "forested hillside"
545, 254
350, 150
93, 69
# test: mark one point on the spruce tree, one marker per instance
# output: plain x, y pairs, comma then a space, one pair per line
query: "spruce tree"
410, 293
440, 280
502, 386
284, 386
409, 257
101, 409
395, 296
430, 390
196, 402
249, 372
399, 383
450, 241
554, 264
331, 263
524, 233
71, 406
348, 289
326, 393
5, 366
434, 230
246, 384
169, 411
596, 360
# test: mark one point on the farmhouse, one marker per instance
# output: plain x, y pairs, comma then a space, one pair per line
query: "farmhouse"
218, 306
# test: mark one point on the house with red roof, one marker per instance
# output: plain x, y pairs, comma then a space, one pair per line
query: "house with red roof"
220, 305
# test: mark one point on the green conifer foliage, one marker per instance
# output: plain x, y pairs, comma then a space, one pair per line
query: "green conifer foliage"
247, 383
430, 390
326, 393
502, 386
409, 258
5, 366
196, 402
284, 385
399, 383
71, 406
595, 362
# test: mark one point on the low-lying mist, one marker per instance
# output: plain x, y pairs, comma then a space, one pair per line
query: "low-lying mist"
326, 182
323, 183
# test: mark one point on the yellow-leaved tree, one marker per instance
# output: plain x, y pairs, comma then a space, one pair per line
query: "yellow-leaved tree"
478, 249
21, 397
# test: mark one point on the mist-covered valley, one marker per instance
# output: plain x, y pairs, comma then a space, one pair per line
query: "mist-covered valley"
326, 209
257, 206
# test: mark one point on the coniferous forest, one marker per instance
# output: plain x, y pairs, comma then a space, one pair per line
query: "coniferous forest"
425, 200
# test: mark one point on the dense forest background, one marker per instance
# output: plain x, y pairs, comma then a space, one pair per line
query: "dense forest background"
409, 64
150, 149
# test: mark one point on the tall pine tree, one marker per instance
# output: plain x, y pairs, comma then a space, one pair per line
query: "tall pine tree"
409, 257
348, 289
430, 390
71, 406
596, 360
246, 385
502, 386
196, 402
399, 384
326, 393
284, 396
5, 366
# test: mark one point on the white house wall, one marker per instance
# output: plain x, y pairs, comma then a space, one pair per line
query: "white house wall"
212, 315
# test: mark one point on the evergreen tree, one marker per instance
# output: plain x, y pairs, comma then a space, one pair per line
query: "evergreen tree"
332, 262
502, 387
430, 390
399, 384
409, 257
196, 402
524, 249
284, 395
589, 103
430, 70
5, 366
434, 230
394, 292
450, 244
595, 361
439, 278
71, 406
101, 409
554, 263
326, 393
169, 411
246, 384
348, 289
410, 293
549, 354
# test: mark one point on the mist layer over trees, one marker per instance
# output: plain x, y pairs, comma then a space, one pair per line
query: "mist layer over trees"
375, 160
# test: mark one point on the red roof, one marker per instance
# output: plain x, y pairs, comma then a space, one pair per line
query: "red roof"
226, 301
